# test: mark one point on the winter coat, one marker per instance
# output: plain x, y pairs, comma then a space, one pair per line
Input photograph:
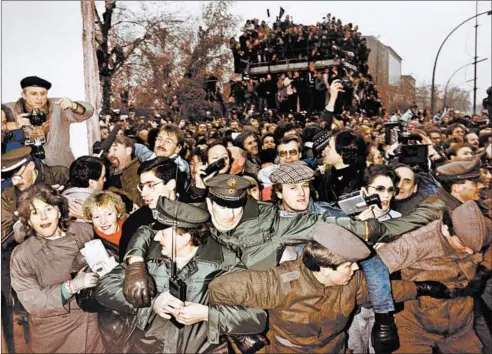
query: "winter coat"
39, 267
129, 180
305, 316
422, 255
265, 230
155, 334
57, 147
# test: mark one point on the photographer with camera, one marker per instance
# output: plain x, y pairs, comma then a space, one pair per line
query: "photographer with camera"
46, 121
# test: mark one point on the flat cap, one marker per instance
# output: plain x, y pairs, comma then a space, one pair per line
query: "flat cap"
459, 170
173, 212
228, 190
469, 226
340, 241
15, 158
291, 173
35, 81
320, 141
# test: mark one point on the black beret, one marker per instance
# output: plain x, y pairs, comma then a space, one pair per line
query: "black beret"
35, 81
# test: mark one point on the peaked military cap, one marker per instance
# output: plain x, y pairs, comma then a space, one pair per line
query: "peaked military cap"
291, 173
340, 241
459, 170
173, 212
15, 158
228, 190
470, 226
35, 81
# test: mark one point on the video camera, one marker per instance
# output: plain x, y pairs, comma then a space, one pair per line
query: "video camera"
410, 151
356, 202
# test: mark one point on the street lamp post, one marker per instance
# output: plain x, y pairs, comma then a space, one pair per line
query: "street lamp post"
449, 80
439, 51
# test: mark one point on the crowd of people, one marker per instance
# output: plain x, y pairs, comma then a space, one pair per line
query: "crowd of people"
287, 42
306, 90
304, 219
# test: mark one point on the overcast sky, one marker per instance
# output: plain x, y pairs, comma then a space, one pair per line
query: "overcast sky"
44, 38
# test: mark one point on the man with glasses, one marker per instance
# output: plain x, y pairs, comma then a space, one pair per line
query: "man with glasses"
289, 149
158, 178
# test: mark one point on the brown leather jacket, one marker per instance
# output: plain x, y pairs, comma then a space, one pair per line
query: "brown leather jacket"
305, 315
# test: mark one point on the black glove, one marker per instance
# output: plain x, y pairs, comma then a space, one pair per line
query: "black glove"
138, 285
477, 285
435, 289
384, 333
250, 344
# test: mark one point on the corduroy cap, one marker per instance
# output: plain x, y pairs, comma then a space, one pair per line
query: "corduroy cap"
173, 212
35, 82
228, 190
469, 226
291, 173
15, 158
340, 241
459, 171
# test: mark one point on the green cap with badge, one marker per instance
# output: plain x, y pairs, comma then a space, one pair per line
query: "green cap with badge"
228, 190
173, 212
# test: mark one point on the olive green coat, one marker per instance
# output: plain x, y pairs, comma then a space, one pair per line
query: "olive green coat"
160, 335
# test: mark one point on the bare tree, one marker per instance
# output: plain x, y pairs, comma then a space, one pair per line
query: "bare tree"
120, 33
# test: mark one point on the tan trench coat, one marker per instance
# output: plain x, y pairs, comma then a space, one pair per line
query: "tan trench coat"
57, 147
305, 315
38, 269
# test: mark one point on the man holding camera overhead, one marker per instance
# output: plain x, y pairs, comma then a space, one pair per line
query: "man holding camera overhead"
54, 117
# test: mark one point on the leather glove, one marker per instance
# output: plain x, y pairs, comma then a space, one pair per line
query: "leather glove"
384, 333
251, 343
477, 285
83, 280
138, 286
434, 289
375, 230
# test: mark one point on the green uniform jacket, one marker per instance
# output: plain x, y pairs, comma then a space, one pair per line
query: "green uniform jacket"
160, 335
265, 230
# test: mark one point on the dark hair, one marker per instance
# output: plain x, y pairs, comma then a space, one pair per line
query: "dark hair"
374, 171
267, 155
83, 169
47, 195
281, 129
173, 130
287, 139
316, 256
446, 220
151, 137
126, 142
166, 169
8, 113
351, 147
241, 138
267, 135
416, 176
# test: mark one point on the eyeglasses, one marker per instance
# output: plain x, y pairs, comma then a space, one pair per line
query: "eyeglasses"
149, 185
382, 189
284, 153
